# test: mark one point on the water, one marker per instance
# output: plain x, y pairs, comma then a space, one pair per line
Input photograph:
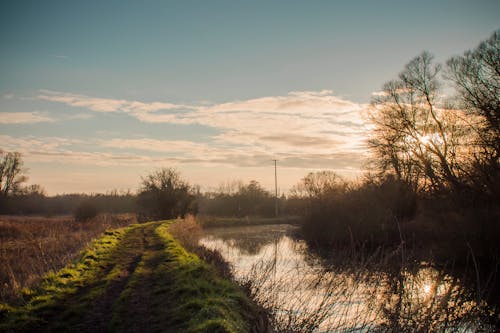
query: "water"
304, 295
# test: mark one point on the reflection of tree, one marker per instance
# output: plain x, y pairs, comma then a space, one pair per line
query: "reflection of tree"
250, 240
352, 292
426, 300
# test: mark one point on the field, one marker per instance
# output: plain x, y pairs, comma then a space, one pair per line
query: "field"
33, 246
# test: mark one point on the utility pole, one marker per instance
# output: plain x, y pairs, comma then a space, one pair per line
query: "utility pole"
276, 188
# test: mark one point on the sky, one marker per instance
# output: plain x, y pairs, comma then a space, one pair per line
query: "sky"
96, 94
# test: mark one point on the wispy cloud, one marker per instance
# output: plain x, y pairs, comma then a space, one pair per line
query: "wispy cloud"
103, 104
148, 144
313, 128
60, 56
24, 117
80, 116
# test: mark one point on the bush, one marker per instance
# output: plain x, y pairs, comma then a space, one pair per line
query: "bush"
362, 215
85, 211
165, 195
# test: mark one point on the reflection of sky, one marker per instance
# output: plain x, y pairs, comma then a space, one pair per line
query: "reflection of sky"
296, 283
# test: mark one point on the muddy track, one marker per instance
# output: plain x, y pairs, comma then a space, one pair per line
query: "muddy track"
136, 279
100, 315
119, 299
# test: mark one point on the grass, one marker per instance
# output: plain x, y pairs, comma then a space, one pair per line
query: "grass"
137, 278
30, 247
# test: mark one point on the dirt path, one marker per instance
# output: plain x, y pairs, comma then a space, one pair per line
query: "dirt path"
138, 279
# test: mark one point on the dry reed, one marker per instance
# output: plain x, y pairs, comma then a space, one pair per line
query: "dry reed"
30, 247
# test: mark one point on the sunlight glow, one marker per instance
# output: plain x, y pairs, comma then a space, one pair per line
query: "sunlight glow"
427, 289
426, 139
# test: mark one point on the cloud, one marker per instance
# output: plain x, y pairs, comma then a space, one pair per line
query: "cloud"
24, 117
103, 104
163, 152
80, 116
148, 144
303, 141
380, 93
31, 143
302, 128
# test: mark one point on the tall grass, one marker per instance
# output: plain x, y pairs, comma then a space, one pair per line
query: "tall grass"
188, 232
32, 246
366, 297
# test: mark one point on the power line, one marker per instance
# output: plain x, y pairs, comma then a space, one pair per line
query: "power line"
276, 188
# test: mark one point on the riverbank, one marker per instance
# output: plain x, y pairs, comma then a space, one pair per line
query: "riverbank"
302, 292
132, 279
214, 221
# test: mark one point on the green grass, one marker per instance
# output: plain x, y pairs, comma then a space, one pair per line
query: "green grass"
137, 278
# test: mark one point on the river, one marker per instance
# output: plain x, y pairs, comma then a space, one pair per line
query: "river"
306, 296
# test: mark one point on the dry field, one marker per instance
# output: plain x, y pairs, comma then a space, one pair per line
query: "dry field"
33, 246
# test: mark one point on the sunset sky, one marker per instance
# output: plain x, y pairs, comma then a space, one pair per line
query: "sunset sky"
95, 94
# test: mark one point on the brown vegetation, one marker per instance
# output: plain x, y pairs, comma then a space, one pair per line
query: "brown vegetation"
32, 246
188, 232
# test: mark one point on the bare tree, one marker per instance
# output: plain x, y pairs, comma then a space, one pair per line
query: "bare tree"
164, 195
476, 77
317, 184
415, 137
11, 172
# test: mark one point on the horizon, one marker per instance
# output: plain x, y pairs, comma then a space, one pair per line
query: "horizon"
95, 95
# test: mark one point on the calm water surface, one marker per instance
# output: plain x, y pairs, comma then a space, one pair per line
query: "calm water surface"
303, 294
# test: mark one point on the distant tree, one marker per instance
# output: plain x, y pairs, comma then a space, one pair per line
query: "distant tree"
11, 172
316, 184
236, 198
85, 211
33, 190
164, 195
253, 199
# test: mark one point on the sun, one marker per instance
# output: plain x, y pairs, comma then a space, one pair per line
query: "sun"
427, 289
425, 139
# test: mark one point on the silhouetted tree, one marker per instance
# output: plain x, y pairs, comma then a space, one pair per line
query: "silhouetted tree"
476, 76
11, 172
238, 199
415, 137
164, 195
317, 184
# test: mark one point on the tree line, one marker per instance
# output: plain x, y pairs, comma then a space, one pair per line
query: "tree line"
162, 194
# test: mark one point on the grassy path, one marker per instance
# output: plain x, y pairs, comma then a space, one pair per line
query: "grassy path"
136, 279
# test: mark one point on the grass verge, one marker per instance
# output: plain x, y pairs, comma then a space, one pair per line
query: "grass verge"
132, 279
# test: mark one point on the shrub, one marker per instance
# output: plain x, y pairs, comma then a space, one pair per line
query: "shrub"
364, 214
85, 211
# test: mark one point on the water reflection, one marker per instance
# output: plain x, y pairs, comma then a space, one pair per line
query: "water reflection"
248, 240
304, 296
